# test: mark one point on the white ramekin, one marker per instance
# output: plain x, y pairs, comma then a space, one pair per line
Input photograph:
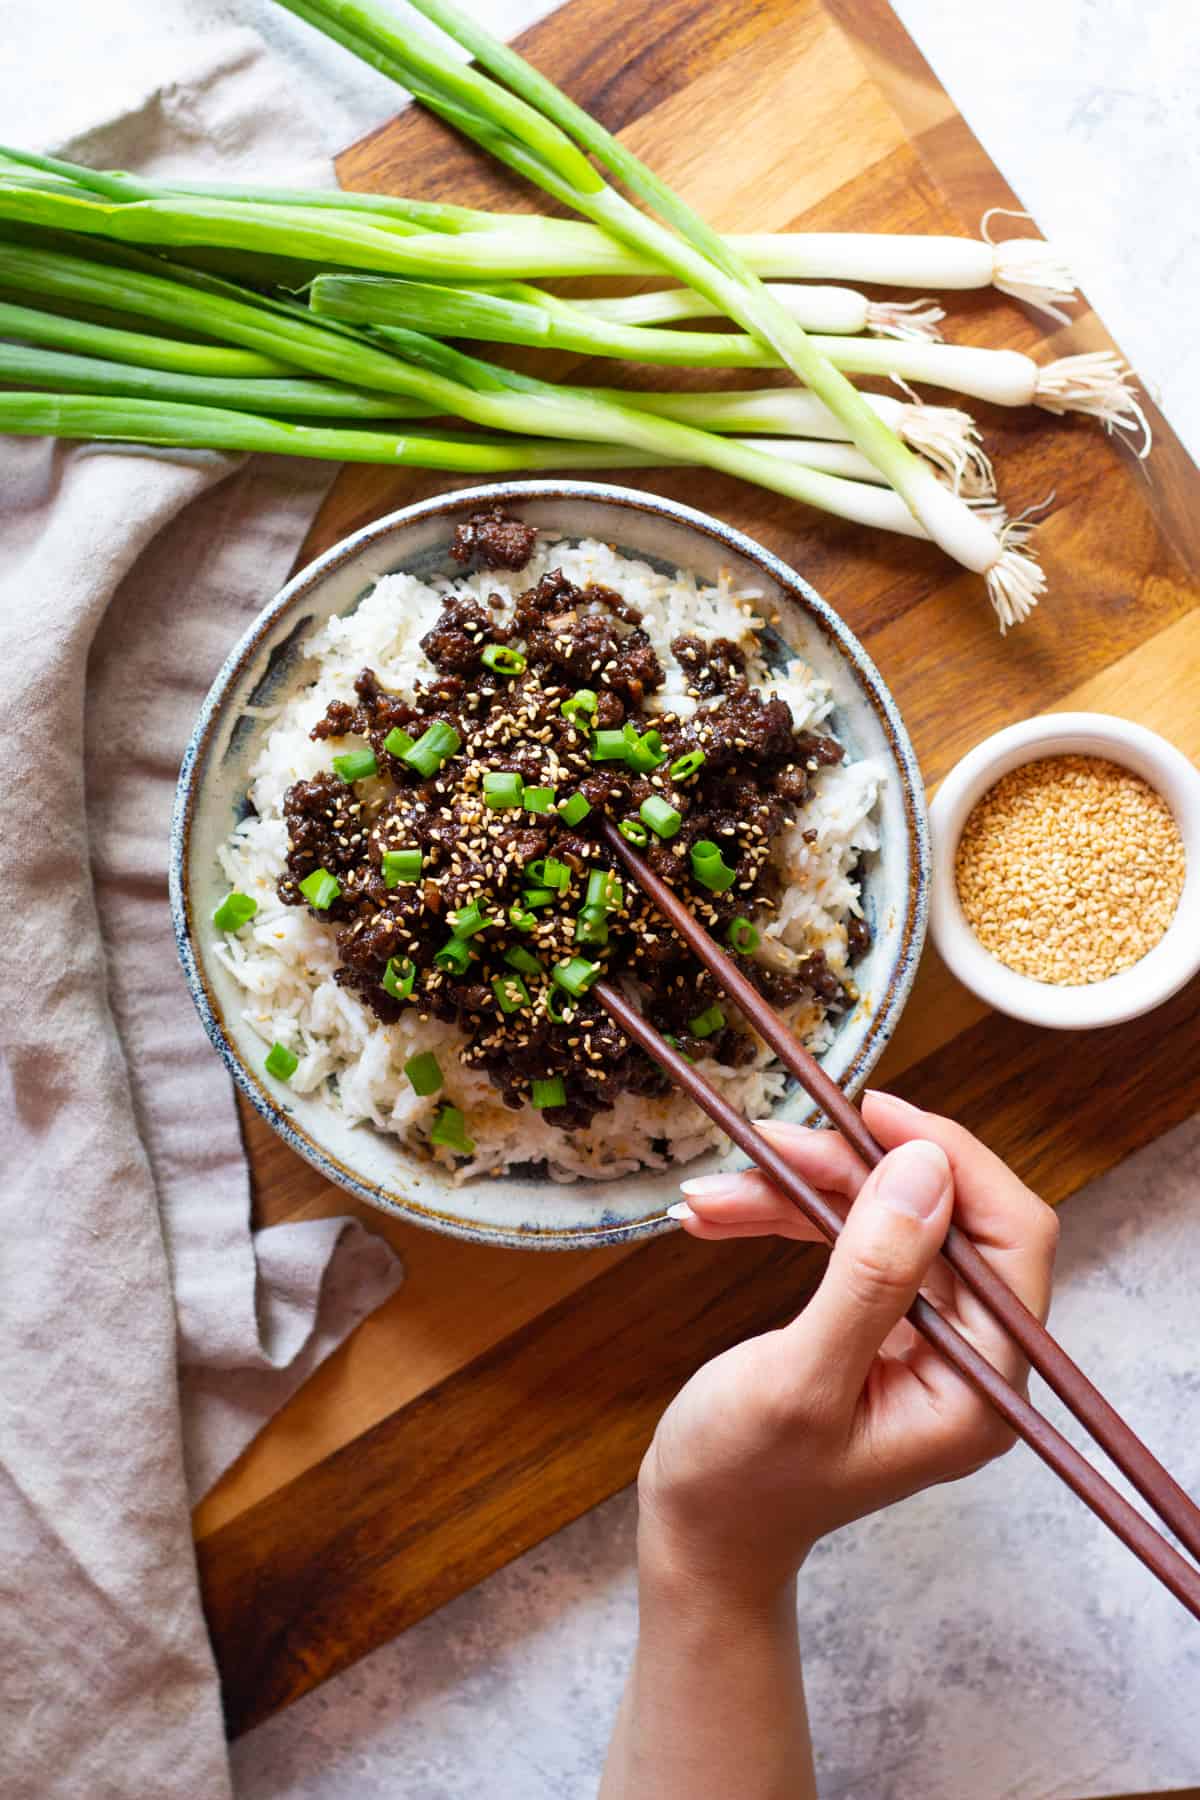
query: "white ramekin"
1146, 984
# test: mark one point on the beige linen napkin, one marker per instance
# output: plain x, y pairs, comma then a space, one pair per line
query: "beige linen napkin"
124, 579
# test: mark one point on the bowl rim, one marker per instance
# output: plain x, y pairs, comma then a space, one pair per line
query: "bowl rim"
1132, 991
348, 549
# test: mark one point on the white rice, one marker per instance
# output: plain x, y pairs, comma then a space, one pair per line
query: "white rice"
285, 959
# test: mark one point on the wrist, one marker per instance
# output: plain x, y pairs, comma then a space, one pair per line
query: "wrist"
681, 1569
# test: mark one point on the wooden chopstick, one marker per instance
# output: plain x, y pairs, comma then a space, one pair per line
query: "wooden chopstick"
1097, 1416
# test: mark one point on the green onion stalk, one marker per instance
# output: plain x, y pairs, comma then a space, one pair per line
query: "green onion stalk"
532, 409
534, 128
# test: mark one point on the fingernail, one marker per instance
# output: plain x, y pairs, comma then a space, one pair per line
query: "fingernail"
902, 1106
913, 1179
712, 1187
681, 1211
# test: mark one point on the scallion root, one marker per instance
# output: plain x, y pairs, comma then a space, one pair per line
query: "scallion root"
1098, 383
1015, 581
913, 319
949, 438
1029, 268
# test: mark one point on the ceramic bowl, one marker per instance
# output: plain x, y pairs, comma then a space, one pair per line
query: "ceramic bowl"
525, 1209
1145, 984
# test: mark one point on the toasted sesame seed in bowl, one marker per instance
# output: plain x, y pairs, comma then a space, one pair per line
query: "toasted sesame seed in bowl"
1066, 884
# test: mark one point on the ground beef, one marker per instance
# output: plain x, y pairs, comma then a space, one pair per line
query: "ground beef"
494, 540
756, 768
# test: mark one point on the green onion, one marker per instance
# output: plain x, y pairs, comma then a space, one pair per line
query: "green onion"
574, 809
591, 927
432, 748
677, 1047
539, 799
539, 896
605, 890
687, 765
399, 978
468, 920
609, 746
503, 661
662, 819
556, 874
705, 1023
502, 790
579, 708
280, 1062
644, 753
742, 936
320, 889
710, 868
356, 765
401, 866
634, 830
234, 911
454, 956
397, 742
550, 1092
522, 959
575, 975
511, 993
558, 1006
424, 1073
450, 1131
520, 919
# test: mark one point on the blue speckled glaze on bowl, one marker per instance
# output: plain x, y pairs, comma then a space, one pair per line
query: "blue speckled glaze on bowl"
524, 1210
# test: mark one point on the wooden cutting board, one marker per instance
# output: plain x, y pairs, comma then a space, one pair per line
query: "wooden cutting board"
501, 1394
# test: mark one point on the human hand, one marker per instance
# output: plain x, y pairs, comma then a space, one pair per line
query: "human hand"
845, 1410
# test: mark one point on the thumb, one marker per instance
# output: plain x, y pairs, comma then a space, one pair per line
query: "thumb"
892, 1233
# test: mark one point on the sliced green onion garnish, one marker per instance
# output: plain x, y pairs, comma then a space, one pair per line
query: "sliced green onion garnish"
574, 809
536, 871
609, 746
558, 1006
539, 799
604, 889
687, 765
399, 978
591, 927
705, 1023
503, 661
677, 1047
520, 919
646, 752
576, 975
320, 889
502, 790
511, 993
454, 956
450, 1130
710, 868
634, 830
550, 1092
579, 708
281, 1063
234, 911
742, 936
539, 896
424, 1073
432, 748
397, 742
557, 874
662, 819
468, 920
401, 865
524, 960
356, 765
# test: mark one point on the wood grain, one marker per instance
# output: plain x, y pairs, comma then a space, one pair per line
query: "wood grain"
498, 1396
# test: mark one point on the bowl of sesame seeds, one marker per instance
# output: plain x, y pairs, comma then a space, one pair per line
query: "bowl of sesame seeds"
1066, 870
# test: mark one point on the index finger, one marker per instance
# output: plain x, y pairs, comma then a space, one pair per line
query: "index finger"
1011, 1225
